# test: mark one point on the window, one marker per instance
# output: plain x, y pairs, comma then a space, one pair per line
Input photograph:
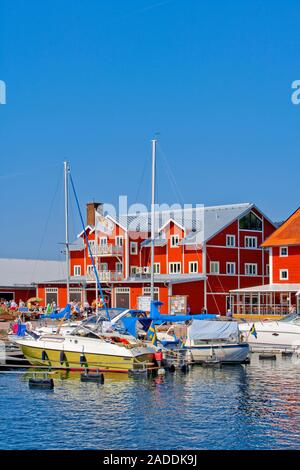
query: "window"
284, 251
133, 270
193, 267
284, 274
230, 240
230, 268
214, 267
174, 268
250, 269
92, 245
75, 294
156, 268
103, 266
147, 291
119, 240
174, 241
133, 248
251, 222
89, 269
267, 270
77, 270
251, 242
119, 267
103, 241
51, 295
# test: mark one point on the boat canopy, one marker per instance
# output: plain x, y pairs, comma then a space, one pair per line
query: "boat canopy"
210, 330
66, 312
161, 318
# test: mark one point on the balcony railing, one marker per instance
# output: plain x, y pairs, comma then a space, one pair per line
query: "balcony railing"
106, 276
107, 250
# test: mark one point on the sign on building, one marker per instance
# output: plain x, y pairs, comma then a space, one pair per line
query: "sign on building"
178, 304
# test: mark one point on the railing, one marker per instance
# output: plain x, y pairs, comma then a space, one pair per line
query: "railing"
106, 276
263, 309
107, 250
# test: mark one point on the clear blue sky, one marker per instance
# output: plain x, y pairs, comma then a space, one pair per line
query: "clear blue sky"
93, 81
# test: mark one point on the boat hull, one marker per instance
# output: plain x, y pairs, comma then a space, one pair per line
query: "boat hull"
227, 353
272, 335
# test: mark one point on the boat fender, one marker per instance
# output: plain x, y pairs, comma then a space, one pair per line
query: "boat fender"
62, 357
44, 356
82, 358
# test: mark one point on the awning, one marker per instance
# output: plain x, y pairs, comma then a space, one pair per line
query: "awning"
268, 288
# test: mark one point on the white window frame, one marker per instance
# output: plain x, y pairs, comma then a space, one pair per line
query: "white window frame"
230, 264
119, 238
120, 264
173, 243
172, 265
281, 271
156, 268
267, 269
284, 248
89, 268
212, 266
249, 267
134, 248
103, 241
147, 290
103, 267
228, 238
250, 239
76, 270
193, 264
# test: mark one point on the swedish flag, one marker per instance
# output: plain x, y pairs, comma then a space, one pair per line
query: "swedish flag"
253, 331
151, 334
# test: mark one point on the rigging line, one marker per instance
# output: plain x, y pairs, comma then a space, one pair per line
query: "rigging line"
89, 248
141, 180
171, 175
46, 227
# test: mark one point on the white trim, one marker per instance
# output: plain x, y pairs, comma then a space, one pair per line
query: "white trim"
248, 265
117, 238
251, 239
283, 248
156, 264
230, 263
228, 237
136, 247
191, 271
171, 240
217, 264
168, 223
178, 263
75, 269
281, 271
92, 229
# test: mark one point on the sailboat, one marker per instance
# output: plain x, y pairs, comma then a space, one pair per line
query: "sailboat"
89, 345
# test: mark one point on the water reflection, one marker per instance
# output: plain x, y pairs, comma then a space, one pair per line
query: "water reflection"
234, 407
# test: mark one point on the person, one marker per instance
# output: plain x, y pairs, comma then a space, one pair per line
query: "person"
21, 303
229, 314
204, 310
13, 305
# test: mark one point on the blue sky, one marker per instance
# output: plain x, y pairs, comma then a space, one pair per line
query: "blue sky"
93, 82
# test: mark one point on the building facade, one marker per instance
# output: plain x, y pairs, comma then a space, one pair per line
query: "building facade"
199, 257
281, 295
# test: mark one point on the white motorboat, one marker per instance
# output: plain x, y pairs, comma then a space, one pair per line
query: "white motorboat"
87, 347
281, 334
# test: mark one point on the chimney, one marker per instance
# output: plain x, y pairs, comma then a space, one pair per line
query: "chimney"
91, 207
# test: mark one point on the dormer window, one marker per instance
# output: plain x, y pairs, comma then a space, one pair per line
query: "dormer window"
174, 241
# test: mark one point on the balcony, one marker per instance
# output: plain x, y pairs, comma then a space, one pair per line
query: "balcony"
107, 250
105, 276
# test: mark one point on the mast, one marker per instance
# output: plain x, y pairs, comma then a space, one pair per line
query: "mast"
154, 141
67, 244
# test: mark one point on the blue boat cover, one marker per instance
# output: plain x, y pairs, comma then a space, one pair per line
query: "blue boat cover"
159, 317
209, 330
66, 312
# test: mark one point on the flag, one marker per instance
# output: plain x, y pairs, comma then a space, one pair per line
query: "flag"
151, 334
253, 331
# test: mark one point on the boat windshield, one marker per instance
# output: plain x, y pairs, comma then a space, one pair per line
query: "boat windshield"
291, 317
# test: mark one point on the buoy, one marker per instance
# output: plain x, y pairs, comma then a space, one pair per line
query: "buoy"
41, 383
92, 377
270, 357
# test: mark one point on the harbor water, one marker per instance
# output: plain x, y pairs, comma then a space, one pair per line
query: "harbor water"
254, 406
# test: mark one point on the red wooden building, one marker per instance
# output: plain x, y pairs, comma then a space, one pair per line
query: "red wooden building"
199, 253
281, 295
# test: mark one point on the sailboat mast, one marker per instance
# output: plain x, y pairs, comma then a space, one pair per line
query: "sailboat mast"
67, 244
154, 141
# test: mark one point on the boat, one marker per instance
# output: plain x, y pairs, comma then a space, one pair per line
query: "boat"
218, 340
88, 347
279, 335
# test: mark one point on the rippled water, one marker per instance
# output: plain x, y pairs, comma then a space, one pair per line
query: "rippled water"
236, 407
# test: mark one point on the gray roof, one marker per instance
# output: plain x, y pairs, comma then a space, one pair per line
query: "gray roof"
25, 272
200, 222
